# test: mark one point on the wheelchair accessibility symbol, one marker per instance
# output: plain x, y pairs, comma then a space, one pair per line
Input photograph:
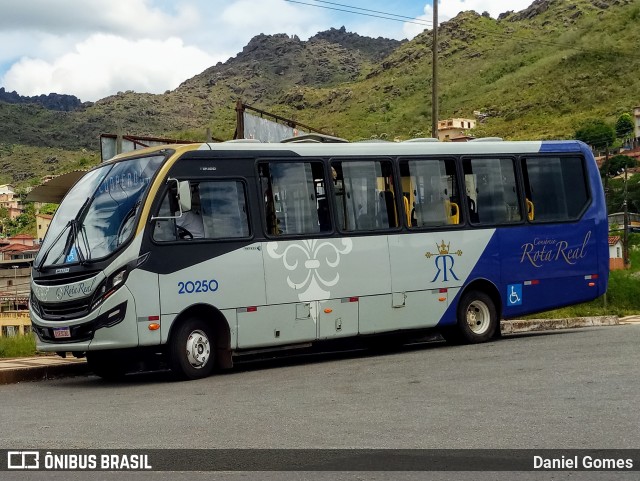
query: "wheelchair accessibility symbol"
514, 295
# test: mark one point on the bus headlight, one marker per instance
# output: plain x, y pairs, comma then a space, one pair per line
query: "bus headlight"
108, 287
118, 278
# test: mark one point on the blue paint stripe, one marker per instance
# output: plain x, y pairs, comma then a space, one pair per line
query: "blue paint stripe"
561, 146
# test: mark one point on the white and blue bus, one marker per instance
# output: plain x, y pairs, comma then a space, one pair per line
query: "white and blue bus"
196, 254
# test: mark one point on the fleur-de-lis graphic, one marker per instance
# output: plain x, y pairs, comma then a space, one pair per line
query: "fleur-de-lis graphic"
305, 259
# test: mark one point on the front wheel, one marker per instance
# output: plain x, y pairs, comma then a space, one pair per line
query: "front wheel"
192, 350
477, 319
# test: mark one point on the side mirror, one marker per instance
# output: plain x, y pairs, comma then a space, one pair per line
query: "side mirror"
184, 195
181, 195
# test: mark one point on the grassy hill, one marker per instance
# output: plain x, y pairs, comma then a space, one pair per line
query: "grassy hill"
532, 74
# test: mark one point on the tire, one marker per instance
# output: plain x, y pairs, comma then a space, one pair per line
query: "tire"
477, 320
192, 350
107, 365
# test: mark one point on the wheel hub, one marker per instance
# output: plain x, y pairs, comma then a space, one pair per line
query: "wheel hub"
198, 349
478, 317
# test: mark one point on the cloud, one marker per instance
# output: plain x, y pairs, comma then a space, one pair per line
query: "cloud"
92, 49
95, 48
451, 8
272, 16
104, 64
122, 17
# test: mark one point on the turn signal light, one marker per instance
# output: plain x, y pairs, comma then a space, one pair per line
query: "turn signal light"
154, 326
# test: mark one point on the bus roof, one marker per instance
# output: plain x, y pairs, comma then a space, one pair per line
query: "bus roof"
377, 149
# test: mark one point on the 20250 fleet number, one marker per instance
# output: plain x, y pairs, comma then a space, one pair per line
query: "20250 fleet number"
194, 287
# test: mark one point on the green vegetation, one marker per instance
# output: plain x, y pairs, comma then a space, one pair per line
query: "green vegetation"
536, 74
624, 126
18, 346
597, 133
616, 195
617, 164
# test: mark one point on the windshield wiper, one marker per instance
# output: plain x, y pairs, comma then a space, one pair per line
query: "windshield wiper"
73, 224
76, 228
55, 241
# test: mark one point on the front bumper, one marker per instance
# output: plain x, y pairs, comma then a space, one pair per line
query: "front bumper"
111, 326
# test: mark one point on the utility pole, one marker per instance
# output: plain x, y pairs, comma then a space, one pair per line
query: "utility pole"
434, 77
15, 286
625, 241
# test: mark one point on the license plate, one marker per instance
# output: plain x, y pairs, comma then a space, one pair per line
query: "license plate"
61, 332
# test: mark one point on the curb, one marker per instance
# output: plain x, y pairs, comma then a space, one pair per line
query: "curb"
42, 373
518, 325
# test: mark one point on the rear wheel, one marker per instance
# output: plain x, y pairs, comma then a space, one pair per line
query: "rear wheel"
477, 319
192, 350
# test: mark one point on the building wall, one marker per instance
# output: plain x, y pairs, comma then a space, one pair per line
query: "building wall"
452, 128
14, 323
616, 264
42, 225
14, 286
616, 261
636, 114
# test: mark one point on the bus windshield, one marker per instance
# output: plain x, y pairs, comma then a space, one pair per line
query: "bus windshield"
99, 212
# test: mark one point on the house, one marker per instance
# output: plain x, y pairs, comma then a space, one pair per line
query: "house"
454, 129
42, 225
616, 260
14, 299
7, 189
18, 252
22, 239
11, 201
636, 115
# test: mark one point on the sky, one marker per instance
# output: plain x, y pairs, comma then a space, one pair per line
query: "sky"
96, 48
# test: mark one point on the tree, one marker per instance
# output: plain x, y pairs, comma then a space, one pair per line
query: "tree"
617, 163
600, 136
624, 126
25, 223
49, 209
596, 133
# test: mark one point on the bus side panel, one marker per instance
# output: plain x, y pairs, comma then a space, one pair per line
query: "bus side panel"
483, 266
273, 325
233, 280
330, 268
548, 266
427, 270
123, 334
338, 318
144, 286
328, 273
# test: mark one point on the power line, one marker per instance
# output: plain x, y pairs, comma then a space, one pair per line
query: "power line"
384, 16
404, 19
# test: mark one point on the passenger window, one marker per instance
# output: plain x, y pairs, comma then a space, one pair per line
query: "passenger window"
218, 211
430, 192
365, 195
294, 198
555, 188
224, 209
492, 195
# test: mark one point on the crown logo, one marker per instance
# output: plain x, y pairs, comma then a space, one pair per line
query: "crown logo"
442, 250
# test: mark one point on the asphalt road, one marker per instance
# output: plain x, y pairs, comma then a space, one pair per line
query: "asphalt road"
565, 389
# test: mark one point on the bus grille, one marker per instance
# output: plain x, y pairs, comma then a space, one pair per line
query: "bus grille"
62, 311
